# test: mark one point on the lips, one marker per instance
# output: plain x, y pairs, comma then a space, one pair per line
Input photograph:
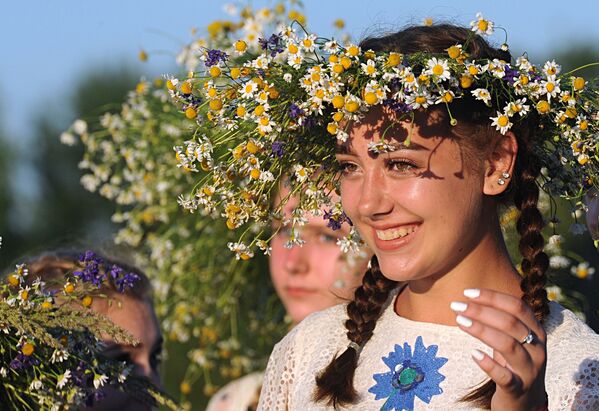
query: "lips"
299, 291
395, 237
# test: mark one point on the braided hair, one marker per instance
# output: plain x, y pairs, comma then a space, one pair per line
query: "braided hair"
335, 382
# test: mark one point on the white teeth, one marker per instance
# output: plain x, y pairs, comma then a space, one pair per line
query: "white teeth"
393, 233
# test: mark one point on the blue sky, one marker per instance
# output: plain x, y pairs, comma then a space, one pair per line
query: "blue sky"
46, 45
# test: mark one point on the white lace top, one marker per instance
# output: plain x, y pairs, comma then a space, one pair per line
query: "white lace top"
422, 366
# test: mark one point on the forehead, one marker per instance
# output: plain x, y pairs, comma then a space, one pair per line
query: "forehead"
424, 131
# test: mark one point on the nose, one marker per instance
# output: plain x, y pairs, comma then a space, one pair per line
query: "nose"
374, 197
297, 261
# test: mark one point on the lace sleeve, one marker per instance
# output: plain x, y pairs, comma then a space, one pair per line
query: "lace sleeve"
279, 376
572, 379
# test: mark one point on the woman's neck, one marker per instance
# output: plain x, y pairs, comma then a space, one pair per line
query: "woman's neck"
488, 265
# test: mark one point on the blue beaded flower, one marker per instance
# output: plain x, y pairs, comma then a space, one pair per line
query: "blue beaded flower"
411, 375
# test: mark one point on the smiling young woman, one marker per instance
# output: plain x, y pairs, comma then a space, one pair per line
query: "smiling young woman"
441, 308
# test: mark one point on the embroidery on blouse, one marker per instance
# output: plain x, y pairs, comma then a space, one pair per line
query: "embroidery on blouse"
412, 375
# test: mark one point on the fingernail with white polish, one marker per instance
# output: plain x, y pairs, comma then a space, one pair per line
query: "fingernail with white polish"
458, 306
463, 321
477, 355
472, 292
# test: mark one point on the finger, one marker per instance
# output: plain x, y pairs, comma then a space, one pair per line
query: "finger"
517, 357
502, 376
491, 316
510, 304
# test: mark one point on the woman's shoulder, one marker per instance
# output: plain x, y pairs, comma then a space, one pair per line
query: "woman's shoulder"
564, 327
238, 394
572, 361
318, 325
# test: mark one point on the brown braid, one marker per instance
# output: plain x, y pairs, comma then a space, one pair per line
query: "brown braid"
335, 384
534, 261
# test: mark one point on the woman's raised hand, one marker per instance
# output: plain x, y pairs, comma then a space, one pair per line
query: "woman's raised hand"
507, 325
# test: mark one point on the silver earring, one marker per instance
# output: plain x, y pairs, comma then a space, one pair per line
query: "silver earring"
501, 181
505, 175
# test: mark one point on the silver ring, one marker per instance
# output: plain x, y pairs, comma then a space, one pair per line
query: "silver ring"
355, 346
530, 337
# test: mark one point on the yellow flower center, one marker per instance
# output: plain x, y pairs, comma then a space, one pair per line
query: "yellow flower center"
483, 25
345, 62
319, 93
24, 295
212, 92
338, 116
13, 280
410, 78
473, 70
370, 98
338, 68
333, 58
370, 69
338, 101
353, 50
465, 81
87, 301
69, 288
438, 70
394, 59
524, 79
215, 71
259, 110
332, 128
583, 125
215, 104
543, 107
447, 97
502, 121
293, 49
27, 349
190, 113
255, 174
186, 87
46, 305
264, 121
571, 112
550, 87
240, 111
185, 388
241, 45
307, 43
252, 147
454, 52
578, 83
352, 106
420, 100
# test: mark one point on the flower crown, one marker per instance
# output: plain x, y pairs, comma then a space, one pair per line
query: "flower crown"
282, 112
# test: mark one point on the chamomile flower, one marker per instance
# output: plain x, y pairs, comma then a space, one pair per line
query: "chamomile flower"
308, 43
551, 68
550, 87
369, 68
248, 89
482, 94
583, 271
481, 26
517, 107
501, 122
63, 379
438, 68
555, 293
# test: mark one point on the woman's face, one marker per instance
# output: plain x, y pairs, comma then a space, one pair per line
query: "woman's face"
419, 208
316, 275
138, 319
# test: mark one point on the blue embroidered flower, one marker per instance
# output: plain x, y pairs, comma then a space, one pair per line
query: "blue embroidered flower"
412, 375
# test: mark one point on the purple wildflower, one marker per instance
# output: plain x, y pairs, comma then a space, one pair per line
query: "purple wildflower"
511, 74
336, 220
126, 281
91, 269
398, 106
22, 361
295, 111
277, 148
213, 57
272, 44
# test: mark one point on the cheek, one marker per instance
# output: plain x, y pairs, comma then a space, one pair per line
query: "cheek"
276, 262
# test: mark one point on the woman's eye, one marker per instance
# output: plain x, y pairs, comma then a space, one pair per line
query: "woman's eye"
401, 166
327, 238
347, 168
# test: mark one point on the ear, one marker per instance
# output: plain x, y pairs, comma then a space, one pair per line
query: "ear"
500, 163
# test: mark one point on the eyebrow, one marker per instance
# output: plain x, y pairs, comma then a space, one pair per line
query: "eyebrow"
346, 149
